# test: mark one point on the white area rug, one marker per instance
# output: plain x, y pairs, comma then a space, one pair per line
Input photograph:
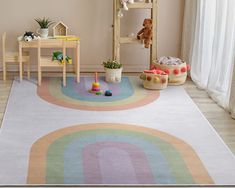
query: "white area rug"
29, 118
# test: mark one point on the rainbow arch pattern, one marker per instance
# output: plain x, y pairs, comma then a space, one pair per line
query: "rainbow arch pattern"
114, 154
126, 95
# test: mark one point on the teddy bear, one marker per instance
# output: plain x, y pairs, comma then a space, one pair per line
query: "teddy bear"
124, 3
145, 35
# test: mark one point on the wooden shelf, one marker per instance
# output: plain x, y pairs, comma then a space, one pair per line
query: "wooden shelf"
140, 5
129, 40
47, 62
118, 39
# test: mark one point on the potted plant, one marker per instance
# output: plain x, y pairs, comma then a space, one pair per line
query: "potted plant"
113, 71
44, 24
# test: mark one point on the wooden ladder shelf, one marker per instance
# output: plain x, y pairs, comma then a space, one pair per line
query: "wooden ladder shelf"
118, 40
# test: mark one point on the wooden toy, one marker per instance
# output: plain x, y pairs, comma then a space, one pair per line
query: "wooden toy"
154, 79
60, 29
175, 68
96, 86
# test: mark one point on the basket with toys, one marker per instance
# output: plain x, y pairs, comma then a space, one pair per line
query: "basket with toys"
155, 79
174, 67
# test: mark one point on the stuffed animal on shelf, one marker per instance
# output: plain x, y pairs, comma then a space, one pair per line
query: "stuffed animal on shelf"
28, 36
124, 3
59, 56
145, 35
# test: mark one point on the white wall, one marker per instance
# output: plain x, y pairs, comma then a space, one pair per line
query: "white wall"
92, 21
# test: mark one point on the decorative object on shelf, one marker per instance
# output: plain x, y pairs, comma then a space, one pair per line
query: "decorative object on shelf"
145, 35
60, 29
176, 69
124, 7
28, 36
58, 55
125, 2
155, 79
113, 71
96, 86
44, 24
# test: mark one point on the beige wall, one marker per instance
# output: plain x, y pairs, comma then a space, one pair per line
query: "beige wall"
92, 21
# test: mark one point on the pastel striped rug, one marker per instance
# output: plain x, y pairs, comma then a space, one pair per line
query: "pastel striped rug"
114, 154
126, 95
68, 136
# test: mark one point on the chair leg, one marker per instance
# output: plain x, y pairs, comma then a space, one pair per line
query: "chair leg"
28, 69
4, 71
23, 69
39, 76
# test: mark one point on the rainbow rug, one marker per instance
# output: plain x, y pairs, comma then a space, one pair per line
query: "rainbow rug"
68, 136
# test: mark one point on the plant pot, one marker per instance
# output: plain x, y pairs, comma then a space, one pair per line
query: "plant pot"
113, 75
43, 32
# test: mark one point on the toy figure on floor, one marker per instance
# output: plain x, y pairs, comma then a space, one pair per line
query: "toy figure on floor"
96, 86
59, 57
145, 35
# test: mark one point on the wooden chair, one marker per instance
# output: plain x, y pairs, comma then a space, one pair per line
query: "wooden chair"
12, 57
45, 62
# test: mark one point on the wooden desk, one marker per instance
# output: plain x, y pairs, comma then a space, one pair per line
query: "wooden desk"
52, 43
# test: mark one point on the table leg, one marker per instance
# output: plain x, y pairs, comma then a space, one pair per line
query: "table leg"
20, 62
78, 63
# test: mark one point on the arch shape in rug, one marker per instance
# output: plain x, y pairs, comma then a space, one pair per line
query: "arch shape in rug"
114, 154
126, 95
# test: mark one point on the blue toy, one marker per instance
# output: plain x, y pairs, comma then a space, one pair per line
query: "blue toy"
108, 93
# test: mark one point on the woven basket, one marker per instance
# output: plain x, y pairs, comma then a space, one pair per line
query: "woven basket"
154, 81
177, 73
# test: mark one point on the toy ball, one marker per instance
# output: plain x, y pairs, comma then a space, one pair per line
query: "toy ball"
108, 93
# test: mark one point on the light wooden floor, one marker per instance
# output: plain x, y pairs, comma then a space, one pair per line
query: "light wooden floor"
220, 120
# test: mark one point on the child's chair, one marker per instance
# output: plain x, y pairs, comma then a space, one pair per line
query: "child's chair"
47, 62
12, 57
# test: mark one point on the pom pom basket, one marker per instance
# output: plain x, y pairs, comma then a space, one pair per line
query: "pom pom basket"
177, 73
154, 81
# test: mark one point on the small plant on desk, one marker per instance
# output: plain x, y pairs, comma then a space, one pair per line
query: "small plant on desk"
44, 24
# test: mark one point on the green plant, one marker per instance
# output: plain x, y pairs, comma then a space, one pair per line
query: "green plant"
112, 64
44, 23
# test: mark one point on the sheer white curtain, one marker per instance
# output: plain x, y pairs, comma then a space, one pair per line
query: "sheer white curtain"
209, 46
